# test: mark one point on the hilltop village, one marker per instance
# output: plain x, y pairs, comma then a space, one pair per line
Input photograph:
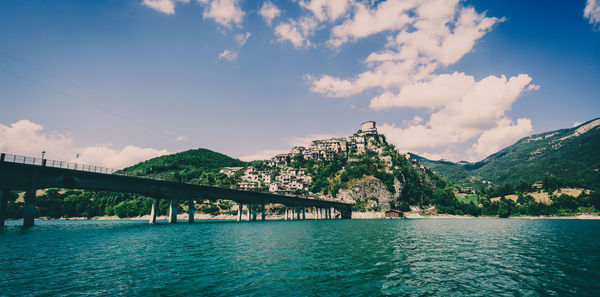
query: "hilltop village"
279, 175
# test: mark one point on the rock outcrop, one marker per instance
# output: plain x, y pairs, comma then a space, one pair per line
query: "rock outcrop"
370, 187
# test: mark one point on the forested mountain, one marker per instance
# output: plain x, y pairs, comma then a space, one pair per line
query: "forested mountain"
196, 166
571, 156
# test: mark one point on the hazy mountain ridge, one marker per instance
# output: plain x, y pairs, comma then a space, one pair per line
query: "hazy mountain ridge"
571, 155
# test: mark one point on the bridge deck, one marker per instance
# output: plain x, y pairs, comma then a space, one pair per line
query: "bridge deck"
19, 176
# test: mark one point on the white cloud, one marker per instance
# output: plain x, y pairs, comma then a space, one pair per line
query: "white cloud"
228, 55
592, 12
164, 6
269, 12
366, 21
305, 141
504, 134
297, 31
461, 109
326, 10
111, 158
224, 12
423, 37
242, 38
416, 120
182, 138
28, 138
446, 155
262, 155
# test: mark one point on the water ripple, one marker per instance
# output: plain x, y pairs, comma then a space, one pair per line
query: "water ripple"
326, 258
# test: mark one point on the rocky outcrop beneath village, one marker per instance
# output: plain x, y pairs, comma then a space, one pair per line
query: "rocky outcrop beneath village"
371, 190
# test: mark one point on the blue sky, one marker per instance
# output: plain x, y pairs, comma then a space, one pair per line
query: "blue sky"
121, 81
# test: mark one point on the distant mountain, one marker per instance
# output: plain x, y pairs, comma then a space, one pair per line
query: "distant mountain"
571, 155
191, 164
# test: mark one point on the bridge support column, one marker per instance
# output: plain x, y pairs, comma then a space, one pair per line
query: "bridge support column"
153, 211
286, 213
3, 205
303, 213
239, 214
297, 213
29, 208
249, 207
191, 210
263, 213
254, 213
173, 212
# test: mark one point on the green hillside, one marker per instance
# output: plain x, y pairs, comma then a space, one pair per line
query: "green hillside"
199, 165
571, 156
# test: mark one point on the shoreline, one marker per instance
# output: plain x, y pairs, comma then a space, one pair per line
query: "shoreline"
355, 216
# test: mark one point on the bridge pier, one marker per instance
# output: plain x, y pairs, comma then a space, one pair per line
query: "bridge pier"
3, 205
191, 211
239, 214
153, 211
249, 208
254, 213
173, 212
286, 213
263, 213
29, 208
303, 213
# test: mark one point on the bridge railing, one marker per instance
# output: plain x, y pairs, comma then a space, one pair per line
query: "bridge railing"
98, 169
54, 163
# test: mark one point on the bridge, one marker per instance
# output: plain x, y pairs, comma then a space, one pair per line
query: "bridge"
30, 174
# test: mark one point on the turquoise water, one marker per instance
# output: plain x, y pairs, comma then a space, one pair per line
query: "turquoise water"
417, 257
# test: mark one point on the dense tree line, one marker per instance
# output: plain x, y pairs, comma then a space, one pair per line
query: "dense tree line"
67, 204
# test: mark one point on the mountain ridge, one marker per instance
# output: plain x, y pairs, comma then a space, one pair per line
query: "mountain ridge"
568, 154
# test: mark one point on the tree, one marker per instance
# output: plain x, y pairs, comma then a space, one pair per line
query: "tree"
505, 207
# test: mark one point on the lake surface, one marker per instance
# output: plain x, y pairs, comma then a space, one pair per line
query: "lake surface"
416, 257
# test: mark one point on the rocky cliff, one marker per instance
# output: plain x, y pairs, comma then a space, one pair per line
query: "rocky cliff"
371, 191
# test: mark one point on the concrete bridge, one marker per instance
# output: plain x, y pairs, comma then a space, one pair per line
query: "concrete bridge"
30, 174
